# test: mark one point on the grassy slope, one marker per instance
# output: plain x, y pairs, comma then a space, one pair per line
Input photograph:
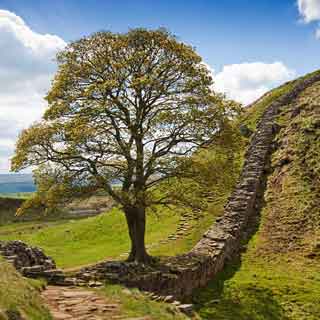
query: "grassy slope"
200, 226
278, 276
16, 293
264, 285
89, 240
80, 242
75, 243
135, 305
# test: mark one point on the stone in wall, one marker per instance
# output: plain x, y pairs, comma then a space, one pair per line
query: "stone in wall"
31, 261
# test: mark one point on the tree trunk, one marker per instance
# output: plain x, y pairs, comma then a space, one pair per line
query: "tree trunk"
136, 220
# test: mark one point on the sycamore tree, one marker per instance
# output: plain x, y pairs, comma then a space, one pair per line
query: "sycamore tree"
124, 108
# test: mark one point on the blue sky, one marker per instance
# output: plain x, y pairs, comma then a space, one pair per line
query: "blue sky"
250, 46
224, 32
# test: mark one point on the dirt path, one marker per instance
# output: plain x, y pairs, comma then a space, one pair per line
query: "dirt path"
79, 304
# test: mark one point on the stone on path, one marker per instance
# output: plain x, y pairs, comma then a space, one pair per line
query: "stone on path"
77, 304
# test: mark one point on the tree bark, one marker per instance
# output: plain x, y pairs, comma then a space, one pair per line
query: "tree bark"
136, 221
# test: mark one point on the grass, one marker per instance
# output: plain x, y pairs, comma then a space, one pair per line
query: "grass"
292, 211
254, 113
135, 305
80, 242
16, 293
273, 281
17, 195
200, 226
262, 289
278, 275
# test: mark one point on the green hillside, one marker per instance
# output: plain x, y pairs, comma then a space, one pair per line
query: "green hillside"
277, 276
80, 242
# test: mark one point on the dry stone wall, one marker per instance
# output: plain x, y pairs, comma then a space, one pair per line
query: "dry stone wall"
180, 275
31, 262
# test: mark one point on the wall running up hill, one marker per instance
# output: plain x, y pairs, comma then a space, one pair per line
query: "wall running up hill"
222, 242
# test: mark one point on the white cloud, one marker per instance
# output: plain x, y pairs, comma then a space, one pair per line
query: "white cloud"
26, 68
246, 82
6, 146
309, 11
27, 65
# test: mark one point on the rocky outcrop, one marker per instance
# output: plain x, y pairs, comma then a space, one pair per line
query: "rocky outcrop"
180, 275
31, 261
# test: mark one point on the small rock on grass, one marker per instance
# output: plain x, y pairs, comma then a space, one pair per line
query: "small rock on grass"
186, 308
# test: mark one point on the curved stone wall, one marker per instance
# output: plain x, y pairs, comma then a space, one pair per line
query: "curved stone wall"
180, 275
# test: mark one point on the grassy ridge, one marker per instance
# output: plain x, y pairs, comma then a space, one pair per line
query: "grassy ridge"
278, 276
262, 288
253, 114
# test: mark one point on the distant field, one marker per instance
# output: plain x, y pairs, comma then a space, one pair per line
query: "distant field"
17, 195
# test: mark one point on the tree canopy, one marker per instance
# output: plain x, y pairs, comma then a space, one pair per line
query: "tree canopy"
124, 108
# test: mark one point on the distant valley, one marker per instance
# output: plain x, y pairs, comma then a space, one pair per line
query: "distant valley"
15, 183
